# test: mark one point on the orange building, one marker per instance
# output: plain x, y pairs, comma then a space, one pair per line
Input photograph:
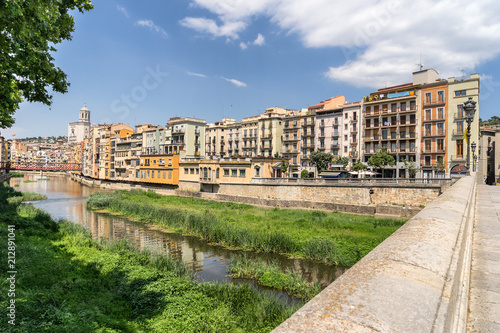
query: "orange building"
159, 169
434, 116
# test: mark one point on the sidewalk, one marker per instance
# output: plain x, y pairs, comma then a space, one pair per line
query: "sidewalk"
484, 301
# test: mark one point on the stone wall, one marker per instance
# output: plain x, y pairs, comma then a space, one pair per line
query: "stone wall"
417, 280
358, 194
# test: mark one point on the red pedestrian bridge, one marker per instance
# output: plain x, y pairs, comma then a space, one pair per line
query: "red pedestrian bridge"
40, 166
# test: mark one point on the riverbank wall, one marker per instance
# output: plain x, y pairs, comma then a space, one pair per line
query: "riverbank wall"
417, 280
352, 207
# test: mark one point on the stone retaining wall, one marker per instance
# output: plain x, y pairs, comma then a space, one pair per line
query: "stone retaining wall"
414, 281
359, 194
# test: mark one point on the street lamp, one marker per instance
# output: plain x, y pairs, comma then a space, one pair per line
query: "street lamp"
470, 109
473, 146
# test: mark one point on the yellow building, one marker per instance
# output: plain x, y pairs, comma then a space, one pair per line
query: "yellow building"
159, 169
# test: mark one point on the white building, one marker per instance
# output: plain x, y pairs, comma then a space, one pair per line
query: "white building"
78, 130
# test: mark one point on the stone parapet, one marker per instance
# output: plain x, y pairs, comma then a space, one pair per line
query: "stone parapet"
415, 281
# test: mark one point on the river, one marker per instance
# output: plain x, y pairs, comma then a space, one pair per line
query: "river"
66, 200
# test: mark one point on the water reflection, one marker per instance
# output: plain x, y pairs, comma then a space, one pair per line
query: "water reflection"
66, 200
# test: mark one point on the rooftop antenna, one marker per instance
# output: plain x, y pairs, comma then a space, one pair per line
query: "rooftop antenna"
420, 64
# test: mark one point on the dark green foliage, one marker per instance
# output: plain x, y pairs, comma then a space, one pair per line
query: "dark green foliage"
67, 282
321, 160
301, 233
304, 174
269, 274
30, 29
381, 159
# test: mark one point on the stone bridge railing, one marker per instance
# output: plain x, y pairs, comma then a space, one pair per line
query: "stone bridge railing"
417, 280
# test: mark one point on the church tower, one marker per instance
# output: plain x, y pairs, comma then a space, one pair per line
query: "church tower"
78, 130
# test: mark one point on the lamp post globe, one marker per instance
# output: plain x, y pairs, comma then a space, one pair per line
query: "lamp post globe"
469, 109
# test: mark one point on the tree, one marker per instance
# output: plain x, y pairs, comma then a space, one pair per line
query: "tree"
411, 167
342, 160
284, 166
29, 31
358, 166
381, 159
440, 165
321, 160
304, 174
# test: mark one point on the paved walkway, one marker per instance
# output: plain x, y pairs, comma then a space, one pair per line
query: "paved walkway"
484, 303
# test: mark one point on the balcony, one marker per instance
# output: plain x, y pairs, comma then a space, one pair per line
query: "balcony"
335, 134
178, 130
459, 115
458, 132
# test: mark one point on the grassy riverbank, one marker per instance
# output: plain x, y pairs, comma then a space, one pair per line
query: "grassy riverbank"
330, 237
269, 274
67, 282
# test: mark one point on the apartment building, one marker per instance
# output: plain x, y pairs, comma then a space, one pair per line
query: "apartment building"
351, 116
459, 91
249, 136
217, 140
292, 142
271, 131
186, 137
159, 168
434, 122
233, 139
390, 122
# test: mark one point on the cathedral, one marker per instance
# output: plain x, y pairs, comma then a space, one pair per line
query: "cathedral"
81, 128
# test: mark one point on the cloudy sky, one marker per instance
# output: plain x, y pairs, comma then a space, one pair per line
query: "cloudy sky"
144, 62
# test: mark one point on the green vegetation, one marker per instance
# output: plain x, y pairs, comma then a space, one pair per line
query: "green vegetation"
269, 274
67, 282
381, 159
321, 160
18, 197
304, 174
329, 237
29, 181
15, 174
30, 31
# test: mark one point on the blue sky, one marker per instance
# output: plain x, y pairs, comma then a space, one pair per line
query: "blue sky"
144, 62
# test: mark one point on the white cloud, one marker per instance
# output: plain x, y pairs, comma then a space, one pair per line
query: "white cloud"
196, 74
382, 41
122, 10
260, 40
235, 82
151, 25
229, 29
243, 46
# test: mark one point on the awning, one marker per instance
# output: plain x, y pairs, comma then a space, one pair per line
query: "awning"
329, 174
277, 165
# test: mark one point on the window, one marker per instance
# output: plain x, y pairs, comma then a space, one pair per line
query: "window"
460, 111
164, 174
428, 114
440, 128
428, 129
460, 93
191, 171
242, 172
169, 174
257, 171
440, 95
345, 127
440, 113
234, 173
345, 149
345, 115
460, 127
440, 144
226, 172
345, 137
428, 98
403, 106
153, 174
428, 144
460, 148
427, 161
186, 170
197, 171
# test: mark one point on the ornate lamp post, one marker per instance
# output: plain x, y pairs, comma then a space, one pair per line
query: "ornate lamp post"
470, 109
473, 146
